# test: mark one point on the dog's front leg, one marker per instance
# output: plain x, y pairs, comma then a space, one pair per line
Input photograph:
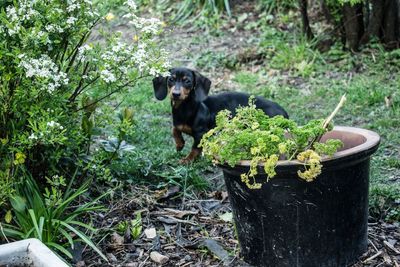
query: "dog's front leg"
194, 153
179, 141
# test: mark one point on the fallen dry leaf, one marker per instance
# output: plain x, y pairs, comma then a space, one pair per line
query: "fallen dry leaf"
181, 213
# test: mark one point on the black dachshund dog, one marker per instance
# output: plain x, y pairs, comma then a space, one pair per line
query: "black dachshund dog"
194, 112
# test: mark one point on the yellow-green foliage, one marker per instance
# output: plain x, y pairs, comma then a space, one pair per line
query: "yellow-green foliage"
252, 135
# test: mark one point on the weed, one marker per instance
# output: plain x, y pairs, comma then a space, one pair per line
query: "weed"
211, 59
246, 78
385, 202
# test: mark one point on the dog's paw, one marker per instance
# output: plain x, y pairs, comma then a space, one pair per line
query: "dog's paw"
185, 161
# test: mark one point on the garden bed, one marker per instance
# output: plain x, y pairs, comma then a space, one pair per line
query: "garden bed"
193, 232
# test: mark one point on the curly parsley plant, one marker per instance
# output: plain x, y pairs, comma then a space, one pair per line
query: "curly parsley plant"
252, 135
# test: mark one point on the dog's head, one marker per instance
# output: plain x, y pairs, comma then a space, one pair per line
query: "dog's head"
181, 85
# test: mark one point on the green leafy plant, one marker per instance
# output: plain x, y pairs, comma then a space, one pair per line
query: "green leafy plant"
54, 77
52, 217
134, 226
384, 202
252, 135
275, 6
201, 8
202, 13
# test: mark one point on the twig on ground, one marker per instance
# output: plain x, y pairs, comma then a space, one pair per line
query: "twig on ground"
144, 262
390, 246
373, 256
373, 245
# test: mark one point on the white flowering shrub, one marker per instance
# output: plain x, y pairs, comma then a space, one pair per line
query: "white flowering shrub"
53, 76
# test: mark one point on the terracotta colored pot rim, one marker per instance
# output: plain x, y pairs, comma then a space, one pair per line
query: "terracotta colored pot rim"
355, 140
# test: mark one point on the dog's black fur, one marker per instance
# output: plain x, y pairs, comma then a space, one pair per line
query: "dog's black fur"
193, 112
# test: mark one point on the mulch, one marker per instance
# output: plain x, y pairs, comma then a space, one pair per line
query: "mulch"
196, 230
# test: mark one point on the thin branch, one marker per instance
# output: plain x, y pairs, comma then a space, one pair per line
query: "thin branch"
109, 94
339, 106
81, 41
78, 88
328, 120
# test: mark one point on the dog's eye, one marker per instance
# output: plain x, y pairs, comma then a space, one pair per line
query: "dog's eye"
171, 79
187, 81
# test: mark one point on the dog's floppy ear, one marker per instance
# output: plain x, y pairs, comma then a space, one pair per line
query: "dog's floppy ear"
160, 87
202, 87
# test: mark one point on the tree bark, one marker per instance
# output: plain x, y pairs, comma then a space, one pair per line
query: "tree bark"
375, 21
382, 20
390, 34
327, 13
304, 17
353, 25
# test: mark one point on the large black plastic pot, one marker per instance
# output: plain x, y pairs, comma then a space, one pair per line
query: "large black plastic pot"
290, 222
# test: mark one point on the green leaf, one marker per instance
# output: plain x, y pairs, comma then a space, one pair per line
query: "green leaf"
60, 248
18, 203
85, 239
136, 226
8, 217
11, 231
35, 224
67, 236
84, 225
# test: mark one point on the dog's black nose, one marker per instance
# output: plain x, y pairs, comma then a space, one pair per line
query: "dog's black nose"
176, 95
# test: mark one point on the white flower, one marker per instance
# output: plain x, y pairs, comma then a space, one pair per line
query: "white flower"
11, 13
118, 47
132, 5
53, 124
107, 76
73, 6
46, 69
149, 26
71, 20
82, 52
54, 28
33, 137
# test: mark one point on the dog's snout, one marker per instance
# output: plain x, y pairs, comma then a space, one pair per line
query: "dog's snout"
176, 94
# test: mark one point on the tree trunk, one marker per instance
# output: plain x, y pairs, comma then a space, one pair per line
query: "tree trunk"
304, 17
382, 21
327, 13
390, 34
375, 21
353, 23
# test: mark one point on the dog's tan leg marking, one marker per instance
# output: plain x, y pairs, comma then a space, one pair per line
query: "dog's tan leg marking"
194, 153
185, 129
